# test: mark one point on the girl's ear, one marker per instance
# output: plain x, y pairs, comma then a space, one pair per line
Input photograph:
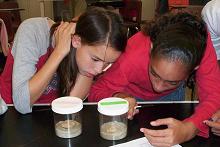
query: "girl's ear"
76, 41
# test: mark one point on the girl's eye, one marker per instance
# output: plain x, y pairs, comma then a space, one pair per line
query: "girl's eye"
173, 83
153, 73
94, 59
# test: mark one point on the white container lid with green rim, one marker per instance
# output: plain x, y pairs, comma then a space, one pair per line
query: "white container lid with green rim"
67, 105
113, 106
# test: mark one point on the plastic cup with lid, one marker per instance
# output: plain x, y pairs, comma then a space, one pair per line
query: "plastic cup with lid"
67, 116
113, 118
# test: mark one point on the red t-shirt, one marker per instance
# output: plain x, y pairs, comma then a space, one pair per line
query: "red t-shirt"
130, 75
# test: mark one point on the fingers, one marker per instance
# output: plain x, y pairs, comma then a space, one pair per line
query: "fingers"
216, 116
215, 126
132, 111
157, 137
136, 111
67, 27
63, 38
215, 131
155, 133
64, 31
61, 27
165, 121
75, 19
158, 141
165, 137
72, 28
212, 124
216, 134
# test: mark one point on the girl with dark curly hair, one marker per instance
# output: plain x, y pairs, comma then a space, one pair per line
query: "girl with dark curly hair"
155, 66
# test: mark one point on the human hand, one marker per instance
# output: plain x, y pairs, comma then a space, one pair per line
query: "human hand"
132, 107
177, 132
214, 123
132, 103
63, 36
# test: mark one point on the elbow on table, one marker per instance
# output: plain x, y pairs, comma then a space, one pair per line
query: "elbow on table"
22, 110
21, 107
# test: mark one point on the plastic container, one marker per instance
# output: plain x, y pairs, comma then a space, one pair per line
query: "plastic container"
67, 116
113, 118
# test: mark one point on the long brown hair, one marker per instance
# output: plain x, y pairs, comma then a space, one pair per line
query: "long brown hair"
96, 26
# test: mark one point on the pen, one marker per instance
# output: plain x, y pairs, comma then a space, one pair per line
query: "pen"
143, 106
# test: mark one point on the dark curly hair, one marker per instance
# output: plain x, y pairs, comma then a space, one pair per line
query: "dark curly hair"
178, 37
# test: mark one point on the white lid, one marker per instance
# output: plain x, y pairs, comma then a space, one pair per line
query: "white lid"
113, 106
67, 105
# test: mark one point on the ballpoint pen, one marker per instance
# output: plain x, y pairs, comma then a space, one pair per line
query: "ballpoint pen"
143, 106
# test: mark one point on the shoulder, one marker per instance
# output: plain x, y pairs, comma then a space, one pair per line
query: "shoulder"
33, 24
212, 4
211, 15
137, 50
138, 37
33, 29
34, 21
211, 9
139, 42
32, 34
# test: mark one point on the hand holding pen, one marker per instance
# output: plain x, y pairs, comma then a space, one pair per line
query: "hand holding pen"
214, 123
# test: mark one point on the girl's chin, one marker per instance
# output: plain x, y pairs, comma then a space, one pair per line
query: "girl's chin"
87, 74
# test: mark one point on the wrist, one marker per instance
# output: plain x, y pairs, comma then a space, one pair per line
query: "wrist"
190, 130
58, 54
122, 95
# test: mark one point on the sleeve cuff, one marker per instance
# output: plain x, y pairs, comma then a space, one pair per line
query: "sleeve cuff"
203, 129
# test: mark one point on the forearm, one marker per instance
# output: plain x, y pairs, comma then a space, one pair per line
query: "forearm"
122, 95
200, 115
112, 81
191, 131
81, 86
39, 82
103, 89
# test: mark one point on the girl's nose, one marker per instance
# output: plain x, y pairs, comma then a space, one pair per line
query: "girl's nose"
99, 68
159, 86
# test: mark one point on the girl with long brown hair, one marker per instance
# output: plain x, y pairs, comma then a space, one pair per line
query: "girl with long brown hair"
49, 60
